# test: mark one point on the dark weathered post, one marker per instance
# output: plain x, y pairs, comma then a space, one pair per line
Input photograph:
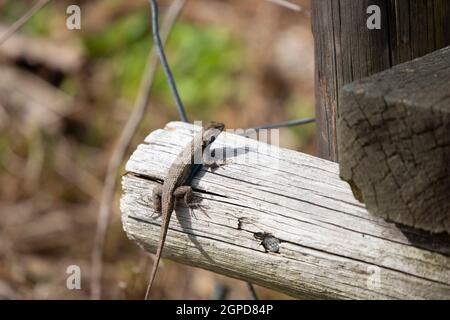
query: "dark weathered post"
393, 133
346, 50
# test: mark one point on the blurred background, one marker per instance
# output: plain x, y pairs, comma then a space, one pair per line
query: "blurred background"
66, 95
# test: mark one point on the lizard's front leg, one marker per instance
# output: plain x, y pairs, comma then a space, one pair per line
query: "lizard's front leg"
209, 158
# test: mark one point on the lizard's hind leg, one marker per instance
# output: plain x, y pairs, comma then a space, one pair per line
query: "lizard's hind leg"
186, 193
156, 198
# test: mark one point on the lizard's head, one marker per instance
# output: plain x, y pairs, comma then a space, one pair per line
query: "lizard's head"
211, 131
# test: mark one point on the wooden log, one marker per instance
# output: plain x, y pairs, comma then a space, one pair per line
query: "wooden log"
330, 247
346, 50
394, 142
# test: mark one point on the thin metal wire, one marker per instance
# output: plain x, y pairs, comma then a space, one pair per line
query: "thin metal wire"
252, 291
173, 86
165, 65
290, 123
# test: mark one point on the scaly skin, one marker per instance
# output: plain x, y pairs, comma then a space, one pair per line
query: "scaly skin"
176, 185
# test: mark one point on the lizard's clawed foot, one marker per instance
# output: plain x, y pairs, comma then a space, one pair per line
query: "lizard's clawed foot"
215, 165
155, 214
196, 205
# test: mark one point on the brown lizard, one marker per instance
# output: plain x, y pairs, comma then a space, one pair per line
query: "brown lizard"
176, 184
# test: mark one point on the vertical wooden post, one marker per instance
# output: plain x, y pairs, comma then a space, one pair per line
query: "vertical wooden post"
346, 50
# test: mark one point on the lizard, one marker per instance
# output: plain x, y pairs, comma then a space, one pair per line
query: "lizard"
176, 184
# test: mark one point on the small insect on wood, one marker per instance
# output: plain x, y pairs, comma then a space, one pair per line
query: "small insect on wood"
268, 241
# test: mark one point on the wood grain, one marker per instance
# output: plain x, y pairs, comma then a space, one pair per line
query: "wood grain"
346, 50
394, 142
330, 246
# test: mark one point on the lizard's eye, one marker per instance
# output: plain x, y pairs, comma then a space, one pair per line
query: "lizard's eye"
212, 139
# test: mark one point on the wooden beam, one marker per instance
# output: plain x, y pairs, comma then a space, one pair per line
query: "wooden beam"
346, 50
394, 142
330, 247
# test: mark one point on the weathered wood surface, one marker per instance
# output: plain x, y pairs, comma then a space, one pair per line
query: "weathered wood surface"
346, 50
394, 142
331, 247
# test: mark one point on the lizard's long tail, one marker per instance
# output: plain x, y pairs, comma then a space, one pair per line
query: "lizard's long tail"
163, 234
